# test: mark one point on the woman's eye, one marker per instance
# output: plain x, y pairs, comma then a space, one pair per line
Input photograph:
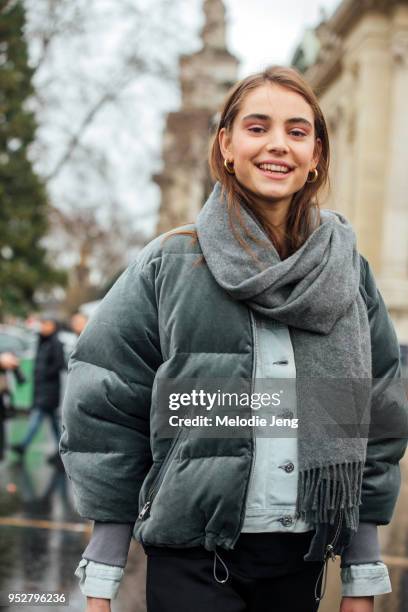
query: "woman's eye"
257, 129
297, 133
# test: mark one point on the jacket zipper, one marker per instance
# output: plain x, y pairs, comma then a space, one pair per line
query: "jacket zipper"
145, 511
255, 351
329, 553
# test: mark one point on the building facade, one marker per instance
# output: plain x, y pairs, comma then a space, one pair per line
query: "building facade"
360, 73
205, 78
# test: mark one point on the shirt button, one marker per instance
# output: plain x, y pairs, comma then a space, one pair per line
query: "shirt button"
289, 467
286, 521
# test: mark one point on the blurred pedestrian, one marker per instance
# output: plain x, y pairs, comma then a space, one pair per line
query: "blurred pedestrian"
78, 323
8, 362
49, 363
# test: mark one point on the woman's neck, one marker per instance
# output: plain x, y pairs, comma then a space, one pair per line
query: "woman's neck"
273, 216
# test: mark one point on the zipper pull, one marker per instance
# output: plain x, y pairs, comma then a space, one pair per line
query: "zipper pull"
144, 511
330, 552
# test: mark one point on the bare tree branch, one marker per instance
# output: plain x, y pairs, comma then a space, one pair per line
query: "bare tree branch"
109, 96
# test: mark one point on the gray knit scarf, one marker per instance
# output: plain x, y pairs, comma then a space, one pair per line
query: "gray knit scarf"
316, 293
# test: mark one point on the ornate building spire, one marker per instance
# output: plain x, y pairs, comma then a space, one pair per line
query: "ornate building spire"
205, 78
206, 75
214, 31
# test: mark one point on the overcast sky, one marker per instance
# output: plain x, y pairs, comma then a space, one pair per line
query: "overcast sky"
261, 32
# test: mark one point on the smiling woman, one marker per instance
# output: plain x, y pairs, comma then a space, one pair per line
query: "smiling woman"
240, 523
265, 148
273, 141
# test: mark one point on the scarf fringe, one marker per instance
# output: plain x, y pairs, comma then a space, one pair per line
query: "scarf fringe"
323, 490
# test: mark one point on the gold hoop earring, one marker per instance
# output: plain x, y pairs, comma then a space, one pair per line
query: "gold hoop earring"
315, 176
228, 167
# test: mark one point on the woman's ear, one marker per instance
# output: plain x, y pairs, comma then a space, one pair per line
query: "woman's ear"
224, 141
317, 152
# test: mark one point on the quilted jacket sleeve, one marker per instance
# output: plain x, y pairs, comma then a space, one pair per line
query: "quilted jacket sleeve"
105, 443
389, 425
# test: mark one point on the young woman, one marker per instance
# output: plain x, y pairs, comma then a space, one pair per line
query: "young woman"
265, 286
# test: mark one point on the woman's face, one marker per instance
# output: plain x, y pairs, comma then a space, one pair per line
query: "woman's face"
272, 143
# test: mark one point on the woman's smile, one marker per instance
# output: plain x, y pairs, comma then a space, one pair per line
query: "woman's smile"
274, 170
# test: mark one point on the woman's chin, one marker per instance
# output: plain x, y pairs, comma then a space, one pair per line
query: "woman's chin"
267, 193
273, 195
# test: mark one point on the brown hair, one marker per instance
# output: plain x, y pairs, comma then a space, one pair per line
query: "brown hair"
299, 220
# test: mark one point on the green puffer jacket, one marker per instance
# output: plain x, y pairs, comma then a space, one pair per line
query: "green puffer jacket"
166, 317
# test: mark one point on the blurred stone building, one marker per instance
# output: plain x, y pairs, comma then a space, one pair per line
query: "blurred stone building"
205, 78
357, 62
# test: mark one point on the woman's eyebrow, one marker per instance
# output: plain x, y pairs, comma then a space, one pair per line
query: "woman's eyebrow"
299, 120
262, 117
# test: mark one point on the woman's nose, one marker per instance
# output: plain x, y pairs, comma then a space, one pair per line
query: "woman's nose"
277, 145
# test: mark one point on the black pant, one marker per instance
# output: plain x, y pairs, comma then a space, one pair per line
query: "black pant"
266, 573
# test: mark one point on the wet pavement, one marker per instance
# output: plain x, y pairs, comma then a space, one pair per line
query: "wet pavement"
42, 538
41, 535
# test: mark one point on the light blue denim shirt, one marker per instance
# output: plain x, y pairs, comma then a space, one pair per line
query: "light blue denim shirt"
272, 491
271, 500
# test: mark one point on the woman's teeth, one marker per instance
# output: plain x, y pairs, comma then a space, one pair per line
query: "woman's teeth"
274, 168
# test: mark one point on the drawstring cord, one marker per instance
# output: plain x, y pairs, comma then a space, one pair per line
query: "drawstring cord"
330, 554
323, 590
216, 555
325, 571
